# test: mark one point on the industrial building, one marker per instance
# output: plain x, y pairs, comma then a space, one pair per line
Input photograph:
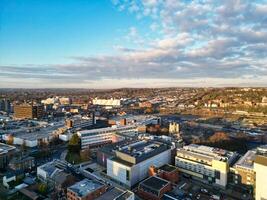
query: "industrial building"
131, 162
32, 137
208, 164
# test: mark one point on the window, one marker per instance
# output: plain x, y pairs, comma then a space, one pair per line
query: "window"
127, 175
217, 174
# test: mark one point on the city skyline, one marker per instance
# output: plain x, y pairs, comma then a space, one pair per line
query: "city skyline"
146, 43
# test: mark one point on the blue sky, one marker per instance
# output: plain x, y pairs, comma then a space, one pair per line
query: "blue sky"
132, 43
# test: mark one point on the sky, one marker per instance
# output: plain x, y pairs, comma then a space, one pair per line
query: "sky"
133, 43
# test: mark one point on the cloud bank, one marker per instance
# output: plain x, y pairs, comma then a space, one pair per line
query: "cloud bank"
189, 43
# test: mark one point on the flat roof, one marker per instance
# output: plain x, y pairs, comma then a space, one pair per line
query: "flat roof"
124, 195
124, 162
5, 148
207, 153
168, 168
113, 128
85, 187
111, 194
247, 161
142, 148
262, 160
154, 183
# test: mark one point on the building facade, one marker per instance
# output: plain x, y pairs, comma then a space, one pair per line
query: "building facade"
131, 162
101, 136
153, 188
210, 165
86, 190
260, 167
27, 111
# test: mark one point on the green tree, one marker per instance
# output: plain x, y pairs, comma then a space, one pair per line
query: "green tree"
42, 188
74, 143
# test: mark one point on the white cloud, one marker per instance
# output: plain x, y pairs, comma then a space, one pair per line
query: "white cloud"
223, 42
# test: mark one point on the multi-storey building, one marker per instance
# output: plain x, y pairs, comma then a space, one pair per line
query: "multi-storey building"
86, 190
107, 102
243, 170
80, 122
131, 162
27, 111
98, 137
208, 164
260, 167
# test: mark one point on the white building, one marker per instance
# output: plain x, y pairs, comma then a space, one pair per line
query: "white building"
100, 136
107, 102
260, 167
131, 163
48, 170
210, 165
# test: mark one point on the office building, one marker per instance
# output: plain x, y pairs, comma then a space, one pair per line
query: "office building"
101, 136
208, 164
153, 188
86, 190
80, 122
260, 167
28, 111
131, 162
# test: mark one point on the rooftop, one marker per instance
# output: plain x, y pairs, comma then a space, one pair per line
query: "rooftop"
246, 161
154, 183
168, 168
85, 187
107, 129
140, 150
4, 148
50, 168
124, 195
207, 153
111, 194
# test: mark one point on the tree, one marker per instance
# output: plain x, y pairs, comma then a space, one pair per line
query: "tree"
74, 144
10, 140
42, 188
74, 140
218, 137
